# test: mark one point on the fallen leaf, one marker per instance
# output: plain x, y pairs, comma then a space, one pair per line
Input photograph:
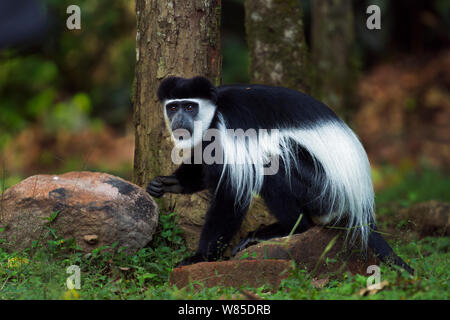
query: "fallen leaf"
251, 295
319, 283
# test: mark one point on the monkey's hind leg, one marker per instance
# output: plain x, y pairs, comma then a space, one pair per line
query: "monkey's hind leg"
285, 207
222, 221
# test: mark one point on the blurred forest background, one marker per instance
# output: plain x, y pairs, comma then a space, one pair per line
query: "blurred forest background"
65, 95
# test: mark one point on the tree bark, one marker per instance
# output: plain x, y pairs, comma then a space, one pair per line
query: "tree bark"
275, 37
173, 38
333, 55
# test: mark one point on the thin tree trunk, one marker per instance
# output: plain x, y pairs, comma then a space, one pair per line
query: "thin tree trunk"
275, 37
173, 38
332, 53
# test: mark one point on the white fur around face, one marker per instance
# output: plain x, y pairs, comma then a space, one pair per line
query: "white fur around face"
202, 121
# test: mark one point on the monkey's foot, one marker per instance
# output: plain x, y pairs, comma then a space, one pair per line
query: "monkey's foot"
245, 243
191, 260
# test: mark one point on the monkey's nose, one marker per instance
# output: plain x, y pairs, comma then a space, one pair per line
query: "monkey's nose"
180, 124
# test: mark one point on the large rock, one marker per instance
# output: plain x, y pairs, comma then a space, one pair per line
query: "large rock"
306, 250
268, 262
95, 209
232, 274
431, 218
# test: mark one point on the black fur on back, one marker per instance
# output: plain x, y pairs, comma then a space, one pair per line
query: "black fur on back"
179, 88
251, 106
270, 107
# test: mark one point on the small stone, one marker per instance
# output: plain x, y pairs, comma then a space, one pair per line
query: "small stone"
431, 218
91, 238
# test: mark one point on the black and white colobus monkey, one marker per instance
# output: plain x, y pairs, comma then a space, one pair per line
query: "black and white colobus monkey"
323, 170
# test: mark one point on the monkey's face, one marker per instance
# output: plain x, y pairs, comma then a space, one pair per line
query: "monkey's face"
181, 115
187, 119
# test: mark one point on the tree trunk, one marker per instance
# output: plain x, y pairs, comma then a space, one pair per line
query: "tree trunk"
275, 37
332, 53
173, 38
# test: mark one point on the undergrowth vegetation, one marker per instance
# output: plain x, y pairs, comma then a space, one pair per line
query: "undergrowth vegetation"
41, 271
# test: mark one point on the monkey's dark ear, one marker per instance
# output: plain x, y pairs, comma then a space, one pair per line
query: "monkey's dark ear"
202, 87
166, 86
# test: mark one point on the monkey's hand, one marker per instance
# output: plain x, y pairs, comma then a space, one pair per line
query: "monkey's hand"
162, 184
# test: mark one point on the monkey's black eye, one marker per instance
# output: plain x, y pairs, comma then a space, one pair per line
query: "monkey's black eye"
172, 107
189, 107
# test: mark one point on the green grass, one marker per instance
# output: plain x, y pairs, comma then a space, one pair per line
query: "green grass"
42, 275
40, 272
414, 186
